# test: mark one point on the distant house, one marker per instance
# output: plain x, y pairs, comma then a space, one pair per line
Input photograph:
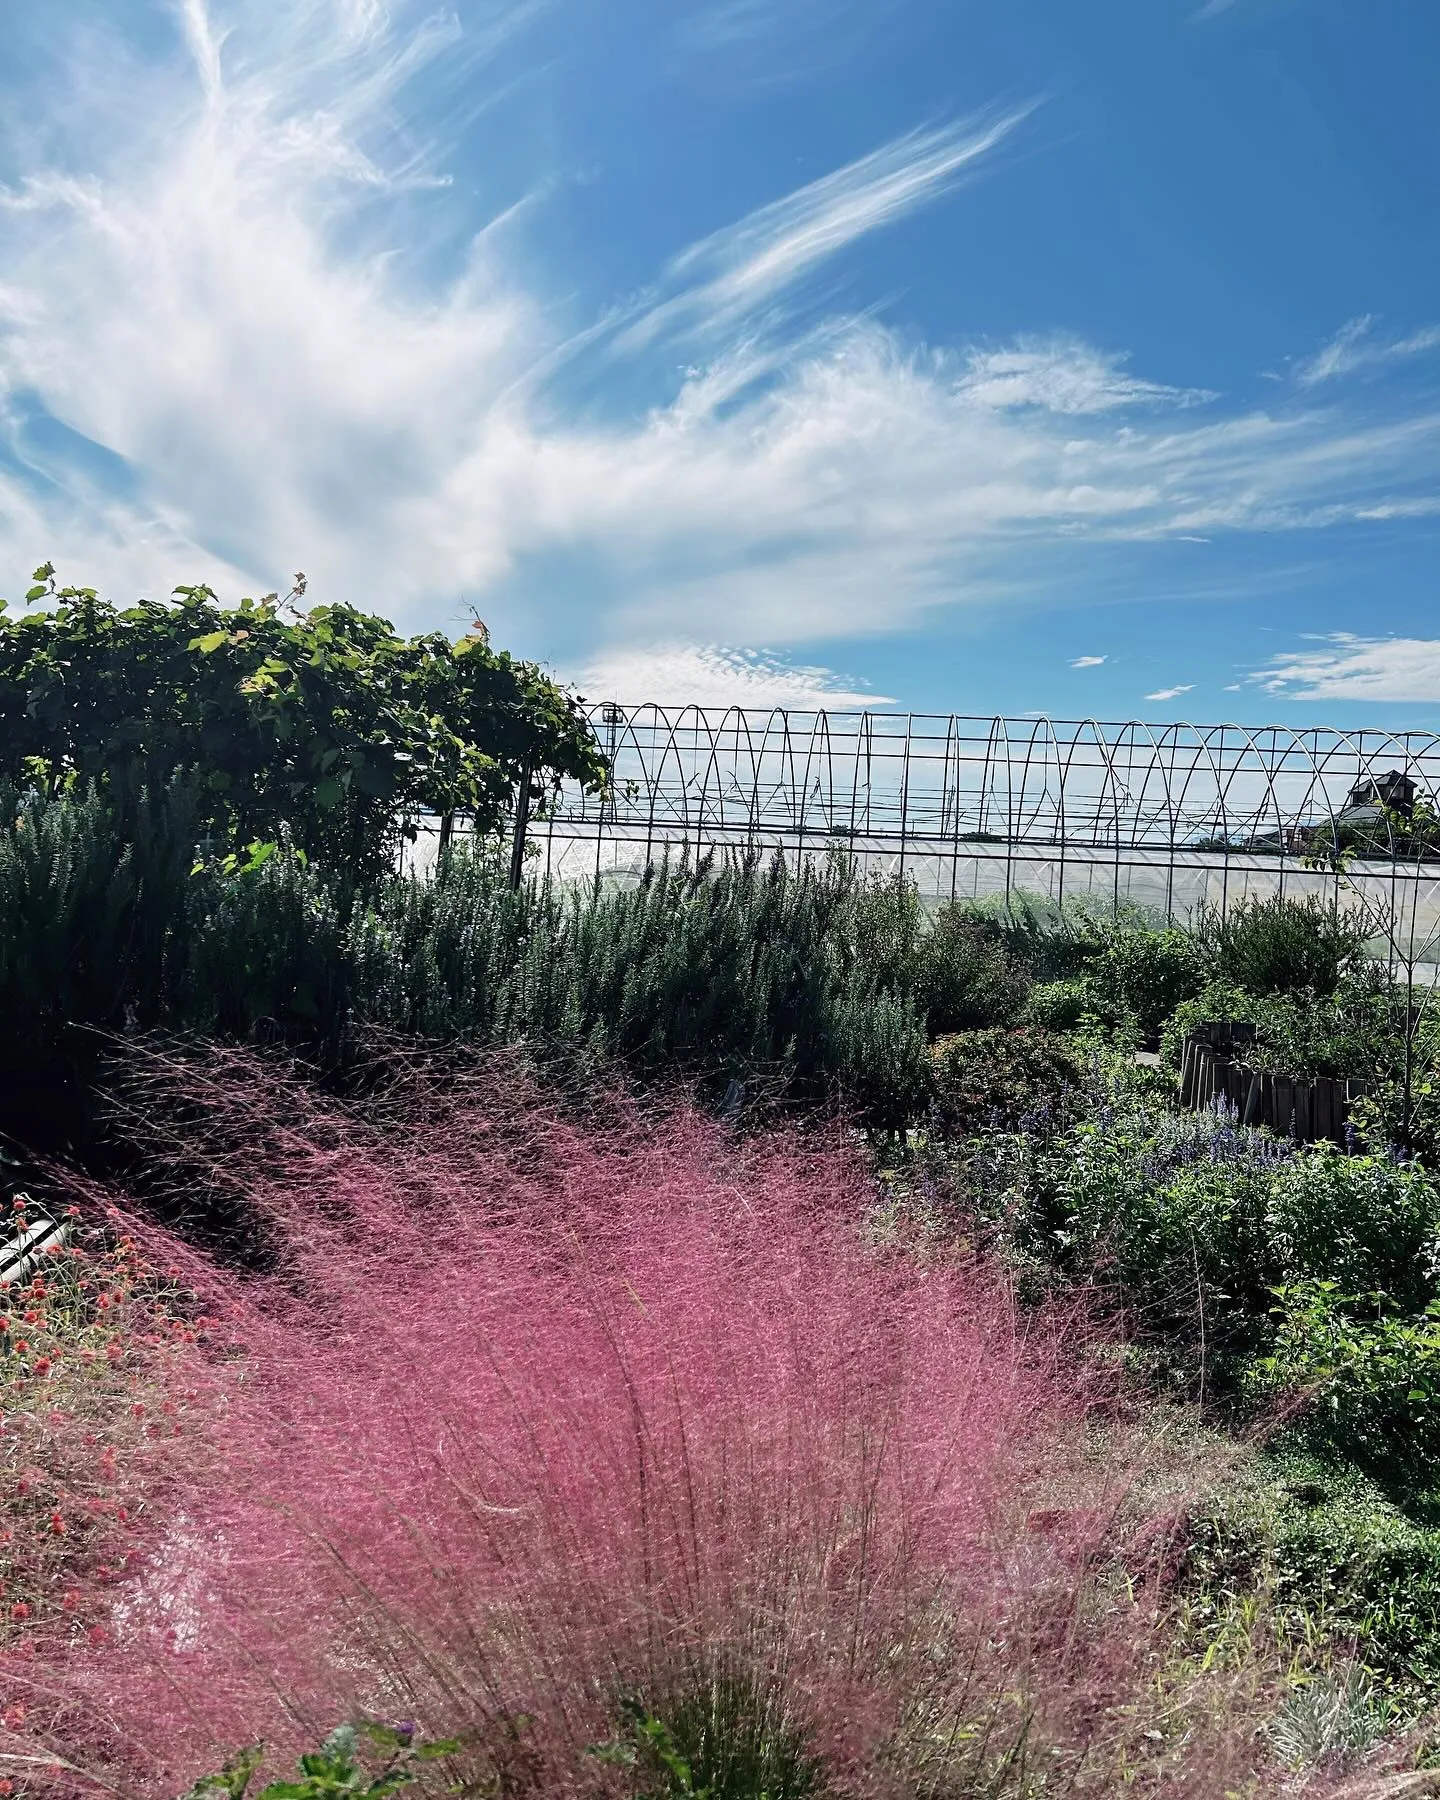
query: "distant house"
1370, 809
1373, 796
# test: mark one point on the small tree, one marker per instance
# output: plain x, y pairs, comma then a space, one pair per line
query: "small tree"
322, 726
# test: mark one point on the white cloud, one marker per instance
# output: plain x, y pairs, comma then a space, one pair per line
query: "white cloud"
1063, 375
1087, 662
711, 675
1341, 354
755, 45
1355, 346
1171, 693
1347, 667
725, 277
729, 23
226, 299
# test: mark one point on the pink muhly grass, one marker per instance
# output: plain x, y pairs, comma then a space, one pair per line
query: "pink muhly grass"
533, 1415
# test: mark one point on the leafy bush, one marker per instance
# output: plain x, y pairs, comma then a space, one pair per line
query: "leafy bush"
743, 968
1139, 975
321, 727
264, 951
1050, 941
336, 1771
1354, 1033
1366, 1224
1059, 1005
1171, 1212
1285, 946
738, 970
886, 923
964, 977
998, 1079
1371, 1372
1338, 1567
1193, 1221
93, 898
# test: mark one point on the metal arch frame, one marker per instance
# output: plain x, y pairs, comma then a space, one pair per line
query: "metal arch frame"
1115, 804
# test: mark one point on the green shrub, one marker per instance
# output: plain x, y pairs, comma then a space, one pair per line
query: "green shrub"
321, 728
736, 969
1354, 1033
1387, 1114
461, 955
885, 923
1365, 1224
1193, 1222
1059, 1005
744, 968
93, 897
1139, 974
1372, 1375
964, 977
998, 1079
1170, 1213
1050, 941
1284, 946
338, 1770
265, 951
1338, 1567
1217, 1003
881, 1058
739, 969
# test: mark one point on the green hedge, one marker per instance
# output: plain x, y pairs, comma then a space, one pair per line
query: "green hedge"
737, 970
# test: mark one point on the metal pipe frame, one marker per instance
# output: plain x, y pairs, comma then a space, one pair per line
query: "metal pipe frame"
1167, 816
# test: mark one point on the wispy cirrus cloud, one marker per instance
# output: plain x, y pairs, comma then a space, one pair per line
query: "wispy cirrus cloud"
226, 352
774, 43
1087, 662
1356, 346
712, 675
1172, 693
1347, 667
727, 23
727, 277
1064, 375
731, 22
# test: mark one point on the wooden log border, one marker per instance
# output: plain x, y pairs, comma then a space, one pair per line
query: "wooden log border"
1310, 1109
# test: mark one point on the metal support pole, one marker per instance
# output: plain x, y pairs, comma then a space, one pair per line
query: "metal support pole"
522, 820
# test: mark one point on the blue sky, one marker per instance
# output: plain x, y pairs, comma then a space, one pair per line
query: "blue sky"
1011, 355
